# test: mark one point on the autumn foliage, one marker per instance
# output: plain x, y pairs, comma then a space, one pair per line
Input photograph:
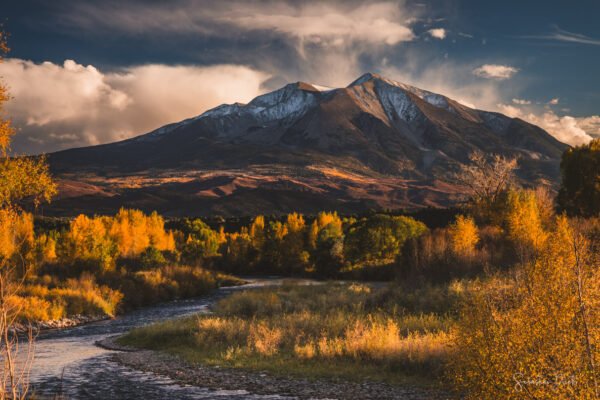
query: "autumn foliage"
534, 334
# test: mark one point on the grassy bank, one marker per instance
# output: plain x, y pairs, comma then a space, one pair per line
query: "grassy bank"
336, 330
48, 298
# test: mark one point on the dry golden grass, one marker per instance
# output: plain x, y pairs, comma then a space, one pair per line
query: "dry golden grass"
344, 330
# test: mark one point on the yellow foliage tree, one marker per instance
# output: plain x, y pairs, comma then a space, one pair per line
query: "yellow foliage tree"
134, 232
127, 234
323, 219
293, 240
464, 235
536, 336
20, 177
257, 232
524, 223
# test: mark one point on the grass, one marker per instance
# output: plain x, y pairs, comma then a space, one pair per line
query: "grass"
336, 330
49, 298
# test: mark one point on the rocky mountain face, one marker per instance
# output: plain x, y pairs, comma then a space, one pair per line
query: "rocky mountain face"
375, 143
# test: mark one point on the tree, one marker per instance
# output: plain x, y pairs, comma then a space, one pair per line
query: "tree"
294, 255
327, 256
21, 177
535, 335
580, 188
201, 242
524, 223
464, 235
486, 180
380, 237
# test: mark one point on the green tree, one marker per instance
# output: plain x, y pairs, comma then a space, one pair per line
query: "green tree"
580, 189
328, 255
202, 242
380, 237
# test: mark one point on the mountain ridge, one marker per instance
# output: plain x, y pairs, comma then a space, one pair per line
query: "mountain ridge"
374, 127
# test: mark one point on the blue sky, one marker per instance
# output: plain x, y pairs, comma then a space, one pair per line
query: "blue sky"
84, 72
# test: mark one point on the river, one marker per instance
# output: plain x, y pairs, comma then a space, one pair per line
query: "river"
68, 363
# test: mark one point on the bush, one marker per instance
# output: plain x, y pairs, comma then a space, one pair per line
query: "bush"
151, 258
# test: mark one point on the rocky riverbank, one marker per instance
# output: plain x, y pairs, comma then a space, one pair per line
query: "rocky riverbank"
62, 323
259, 383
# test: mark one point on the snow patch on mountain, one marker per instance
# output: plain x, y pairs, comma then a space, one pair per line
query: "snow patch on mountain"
322, 88
497, 122
397, 103
435, 99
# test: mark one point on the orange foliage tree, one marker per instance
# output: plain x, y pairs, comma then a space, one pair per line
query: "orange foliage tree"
102, 239
20, 177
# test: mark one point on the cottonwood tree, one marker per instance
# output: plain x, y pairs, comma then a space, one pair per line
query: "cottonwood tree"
486, 179
21, 178
534, 336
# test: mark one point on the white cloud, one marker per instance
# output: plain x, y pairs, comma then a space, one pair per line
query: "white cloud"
565, 36
323, 41
331, 24
453, 80
61, 106
494, 71
591, 125
521, 101
438, 33
567, 129
321, 22
553, 101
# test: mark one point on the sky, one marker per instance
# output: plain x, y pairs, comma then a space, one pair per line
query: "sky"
89, 72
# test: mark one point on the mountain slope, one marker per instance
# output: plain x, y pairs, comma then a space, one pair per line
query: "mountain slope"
374, 143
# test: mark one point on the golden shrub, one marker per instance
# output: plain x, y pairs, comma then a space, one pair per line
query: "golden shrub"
264, 340
305, 351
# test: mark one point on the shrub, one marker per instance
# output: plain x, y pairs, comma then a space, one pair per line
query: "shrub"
151, 258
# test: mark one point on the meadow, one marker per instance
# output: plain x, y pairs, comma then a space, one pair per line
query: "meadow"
337, 330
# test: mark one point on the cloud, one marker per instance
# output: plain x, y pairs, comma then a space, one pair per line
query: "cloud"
591, 125
494, 71
330, 23
328, 42
62, 106
567, 129
566, 36
521, 101
553, 101
438, 33
450, 79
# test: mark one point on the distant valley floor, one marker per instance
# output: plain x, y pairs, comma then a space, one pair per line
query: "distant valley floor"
253, 191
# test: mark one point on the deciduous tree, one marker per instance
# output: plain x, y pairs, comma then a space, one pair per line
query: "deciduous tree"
20, 177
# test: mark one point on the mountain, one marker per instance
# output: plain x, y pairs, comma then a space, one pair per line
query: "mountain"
375, 143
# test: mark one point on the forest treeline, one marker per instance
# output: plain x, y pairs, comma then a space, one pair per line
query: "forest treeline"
106, 264
100, 265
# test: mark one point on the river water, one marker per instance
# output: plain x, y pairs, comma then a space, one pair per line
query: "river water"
68, 363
